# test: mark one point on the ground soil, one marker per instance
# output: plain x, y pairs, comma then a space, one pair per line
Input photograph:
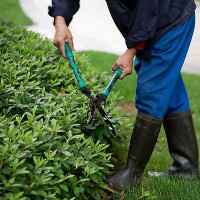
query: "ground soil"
129, 108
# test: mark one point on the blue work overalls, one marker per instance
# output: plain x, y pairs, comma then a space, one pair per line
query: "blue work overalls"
160, 87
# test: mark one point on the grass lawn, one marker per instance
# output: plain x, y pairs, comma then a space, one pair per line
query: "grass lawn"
11, 10
162, 189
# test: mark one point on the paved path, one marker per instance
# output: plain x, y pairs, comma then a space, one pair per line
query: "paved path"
93, 29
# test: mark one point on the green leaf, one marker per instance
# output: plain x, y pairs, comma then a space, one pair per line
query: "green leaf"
22, 171
42, 193
57, 189
18, 195
109, 165
95, 178
64, 187
78, 190
102, 185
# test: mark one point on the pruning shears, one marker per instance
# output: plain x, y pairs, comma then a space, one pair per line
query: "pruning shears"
95, 102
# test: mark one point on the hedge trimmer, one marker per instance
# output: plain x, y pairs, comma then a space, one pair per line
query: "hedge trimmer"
95, 102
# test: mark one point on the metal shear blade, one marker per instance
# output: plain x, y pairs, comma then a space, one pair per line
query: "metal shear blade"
95, 104
90, 114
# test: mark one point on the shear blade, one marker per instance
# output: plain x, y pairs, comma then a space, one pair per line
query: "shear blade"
110, 127
95, 104
90, 114
107, 121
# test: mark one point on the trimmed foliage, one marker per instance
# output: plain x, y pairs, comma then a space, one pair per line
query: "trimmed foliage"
46, 151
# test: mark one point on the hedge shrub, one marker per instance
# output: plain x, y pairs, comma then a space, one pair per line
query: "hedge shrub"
46, 152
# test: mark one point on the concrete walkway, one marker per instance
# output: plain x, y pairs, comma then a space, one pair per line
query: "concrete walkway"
93, 29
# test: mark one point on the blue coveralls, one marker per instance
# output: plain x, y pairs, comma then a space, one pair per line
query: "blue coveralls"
160, 87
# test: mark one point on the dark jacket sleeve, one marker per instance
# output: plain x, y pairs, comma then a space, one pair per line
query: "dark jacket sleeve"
143, 22
64, 8
136, 20
121, 14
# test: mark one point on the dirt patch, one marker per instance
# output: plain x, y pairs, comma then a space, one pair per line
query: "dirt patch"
128, 108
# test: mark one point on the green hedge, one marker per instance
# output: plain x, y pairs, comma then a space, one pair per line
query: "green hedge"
46, 152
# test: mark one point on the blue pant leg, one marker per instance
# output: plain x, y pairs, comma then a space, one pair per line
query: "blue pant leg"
179, 100
158, 77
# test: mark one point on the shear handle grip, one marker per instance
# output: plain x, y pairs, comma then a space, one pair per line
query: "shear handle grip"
73, 65
111, 84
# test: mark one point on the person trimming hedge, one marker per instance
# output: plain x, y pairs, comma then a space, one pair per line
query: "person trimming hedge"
158, 34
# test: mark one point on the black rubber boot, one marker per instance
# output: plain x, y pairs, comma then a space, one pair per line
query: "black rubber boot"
182, 144
143, 140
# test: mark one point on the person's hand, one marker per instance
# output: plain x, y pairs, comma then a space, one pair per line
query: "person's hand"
62, 35
125, 62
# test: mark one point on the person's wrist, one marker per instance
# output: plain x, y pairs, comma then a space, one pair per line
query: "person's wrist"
60, 21
132, 51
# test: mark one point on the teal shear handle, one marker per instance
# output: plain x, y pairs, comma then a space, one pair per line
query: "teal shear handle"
81, 83
104, 95
70, 57
114, 79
